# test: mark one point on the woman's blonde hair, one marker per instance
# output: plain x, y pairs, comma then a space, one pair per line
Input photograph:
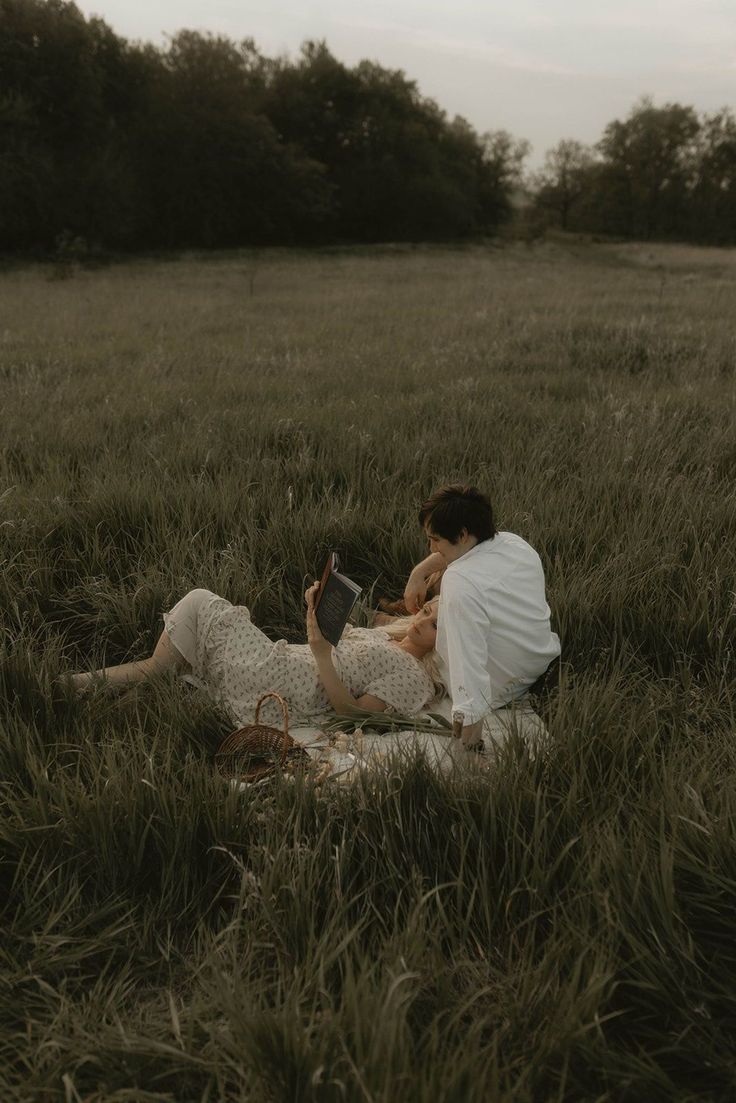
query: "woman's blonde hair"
397, 629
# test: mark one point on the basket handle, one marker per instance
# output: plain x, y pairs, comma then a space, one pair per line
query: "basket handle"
284, 709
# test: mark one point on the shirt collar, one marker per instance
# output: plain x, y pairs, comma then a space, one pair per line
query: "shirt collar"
468, 555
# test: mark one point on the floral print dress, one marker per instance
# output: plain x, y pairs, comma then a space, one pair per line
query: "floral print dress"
237, 663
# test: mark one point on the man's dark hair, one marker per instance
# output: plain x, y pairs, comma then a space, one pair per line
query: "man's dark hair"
456, 507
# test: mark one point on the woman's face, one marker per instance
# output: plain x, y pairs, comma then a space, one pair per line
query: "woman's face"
423, 628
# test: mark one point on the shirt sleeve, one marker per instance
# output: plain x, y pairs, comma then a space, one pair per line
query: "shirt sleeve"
405, 688
464, 627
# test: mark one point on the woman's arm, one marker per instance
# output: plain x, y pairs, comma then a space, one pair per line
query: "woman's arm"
339, 695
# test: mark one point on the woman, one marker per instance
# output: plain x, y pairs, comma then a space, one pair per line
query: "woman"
376, 669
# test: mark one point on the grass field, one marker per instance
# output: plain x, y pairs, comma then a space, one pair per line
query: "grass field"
563, 929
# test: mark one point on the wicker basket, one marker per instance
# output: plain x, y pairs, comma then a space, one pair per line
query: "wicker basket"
258, 750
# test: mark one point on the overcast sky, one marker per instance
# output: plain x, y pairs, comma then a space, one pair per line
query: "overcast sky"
543, 69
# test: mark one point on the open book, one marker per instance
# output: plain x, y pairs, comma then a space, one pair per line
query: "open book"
335, 600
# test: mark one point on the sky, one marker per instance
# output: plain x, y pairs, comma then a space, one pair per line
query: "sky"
541, 70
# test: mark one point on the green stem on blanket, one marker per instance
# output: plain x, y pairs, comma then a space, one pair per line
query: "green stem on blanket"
380, 721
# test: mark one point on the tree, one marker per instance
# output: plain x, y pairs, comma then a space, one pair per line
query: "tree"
208, 143
64, 166
563, 179
648, 161
216, 171
399, 169
503, 159
713, 193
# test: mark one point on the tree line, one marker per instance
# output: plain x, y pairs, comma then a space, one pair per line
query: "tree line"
661, 173
207, 143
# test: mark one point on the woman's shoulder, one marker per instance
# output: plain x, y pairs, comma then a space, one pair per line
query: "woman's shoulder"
366, 635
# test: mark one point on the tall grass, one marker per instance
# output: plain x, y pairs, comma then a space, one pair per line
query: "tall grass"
557, 928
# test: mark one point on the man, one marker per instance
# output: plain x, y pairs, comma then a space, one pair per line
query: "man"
493, 629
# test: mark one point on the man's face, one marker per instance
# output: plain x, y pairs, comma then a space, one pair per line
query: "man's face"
449, 551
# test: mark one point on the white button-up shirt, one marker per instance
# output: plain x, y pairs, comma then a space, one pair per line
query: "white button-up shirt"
493, 629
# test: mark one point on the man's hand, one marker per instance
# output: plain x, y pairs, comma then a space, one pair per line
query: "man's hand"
470, 735
320, 647
415, 593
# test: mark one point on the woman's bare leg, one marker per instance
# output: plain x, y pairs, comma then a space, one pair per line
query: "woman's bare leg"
165, 657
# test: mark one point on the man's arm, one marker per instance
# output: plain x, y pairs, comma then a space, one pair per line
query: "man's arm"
416, 588
464, 626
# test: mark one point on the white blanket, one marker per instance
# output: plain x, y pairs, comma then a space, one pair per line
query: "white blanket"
344, 756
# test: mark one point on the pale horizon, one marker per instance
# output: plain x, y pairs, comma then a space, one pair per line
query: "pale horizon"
543, 73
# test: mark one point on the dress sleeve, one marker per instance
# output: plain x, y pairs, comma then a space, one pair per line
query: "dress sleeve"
406, 687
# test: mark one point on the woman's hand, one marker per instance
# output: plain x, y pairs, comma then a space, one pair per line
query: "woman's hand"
320, 647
